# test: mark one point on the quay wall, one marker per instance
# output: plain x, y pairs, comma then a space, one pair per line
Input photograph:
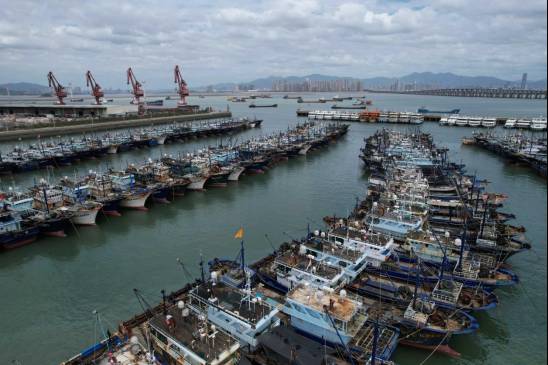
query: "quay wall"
98, 125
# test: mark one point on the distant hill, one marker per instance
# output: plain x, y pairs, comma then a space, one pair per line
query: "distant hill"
23, 88
430, 79
449, 80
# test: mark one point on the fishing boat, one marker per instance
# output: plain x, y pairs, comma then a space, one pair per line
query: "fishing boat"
474, 122
335, 319
135, 197
243, 313
461, 121
423, 324
489, 122
13, 233
263, 105
449, 294
158, 102
184, 333
538, 124
510, 123
523, 124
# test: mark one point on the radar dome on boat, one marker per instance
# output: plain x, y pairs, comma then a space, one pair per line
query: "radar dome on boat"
322, 234
185, 312
343, 293
134, 340
302, 250
180, 304
135, 349
341, 221
447, 234
375, 204
316, 233
214, 276
213, 328
458, 242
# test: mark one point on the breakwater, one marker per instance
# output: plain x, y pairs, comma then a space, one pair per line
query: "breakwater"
98, 126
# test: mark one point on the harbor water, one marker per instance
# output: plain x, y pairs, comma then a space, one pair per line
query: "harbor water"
49, 289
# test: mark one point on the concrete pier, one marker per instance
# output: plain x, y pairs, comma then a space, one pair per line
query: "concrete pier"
98, 125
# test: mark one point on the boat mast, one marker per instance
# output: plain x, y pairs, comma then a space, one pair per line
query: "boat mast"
348, 353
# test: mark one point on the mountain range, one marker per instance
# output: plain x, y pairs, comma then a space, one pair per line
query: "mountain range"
422, 79
430, 79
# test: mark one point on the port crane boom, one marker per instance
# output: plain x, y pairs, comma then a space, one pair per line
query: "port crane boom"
137, 91
96, 91
59, 90
182, 88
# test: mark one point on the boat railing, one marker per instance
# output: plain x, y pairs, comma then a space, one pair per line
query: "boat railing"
447, 295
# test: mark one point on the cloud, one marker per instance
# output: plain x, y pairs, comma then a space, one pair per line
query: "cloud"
223, 40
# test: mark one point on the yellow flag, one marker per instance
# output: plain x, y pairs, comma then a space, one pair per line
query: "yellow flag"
239, 233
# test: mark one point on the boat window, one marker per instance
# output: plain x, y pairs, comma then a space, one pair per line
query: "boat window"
313, 313
159, 336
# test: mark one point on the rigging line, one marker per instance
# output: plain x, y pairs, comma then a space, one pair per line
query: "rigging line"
435, 349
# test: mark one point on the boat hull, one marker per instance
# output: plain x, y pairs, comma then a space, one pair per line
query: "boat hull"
135, 201
11, 240
235, 174
197, 184
85, 217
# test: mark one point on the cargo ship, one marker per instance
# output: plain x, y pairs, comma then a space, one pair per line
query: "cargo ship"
423, 110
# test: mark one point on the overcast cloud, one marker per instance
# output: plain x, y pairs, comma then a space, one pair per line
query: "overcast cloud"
223, 41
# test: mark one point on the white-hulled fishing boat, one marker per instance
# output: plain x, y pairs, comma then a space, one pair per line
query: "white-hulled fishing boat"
135, 200
83, 214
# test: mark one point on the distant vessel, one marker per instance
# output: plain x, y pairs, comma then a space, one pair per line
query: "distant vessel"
263, 106
158, 102
423, 110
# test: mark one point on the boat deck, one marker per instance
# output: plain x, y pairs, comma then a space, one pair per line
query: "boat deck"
360, 235
339, 307
332, 249
233, 301
305, 264
195, 334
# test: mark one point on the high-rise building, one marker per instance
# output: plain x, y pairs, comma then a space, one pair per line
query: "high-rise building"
337, 85
524, 81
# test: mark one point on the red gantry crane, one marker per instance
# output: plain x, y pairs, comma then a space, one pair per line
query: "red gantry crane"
138, 91
182, 86
57, 88
96, 91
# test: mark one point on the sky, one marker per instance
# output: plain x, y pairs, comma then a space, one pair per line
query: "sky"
237, 41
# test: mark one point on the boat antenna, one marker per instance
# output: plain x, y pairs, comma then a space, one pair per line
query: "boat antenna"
145, 306
242, 256
375, 339
98, 321
202, 273
269, 242
185, 271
